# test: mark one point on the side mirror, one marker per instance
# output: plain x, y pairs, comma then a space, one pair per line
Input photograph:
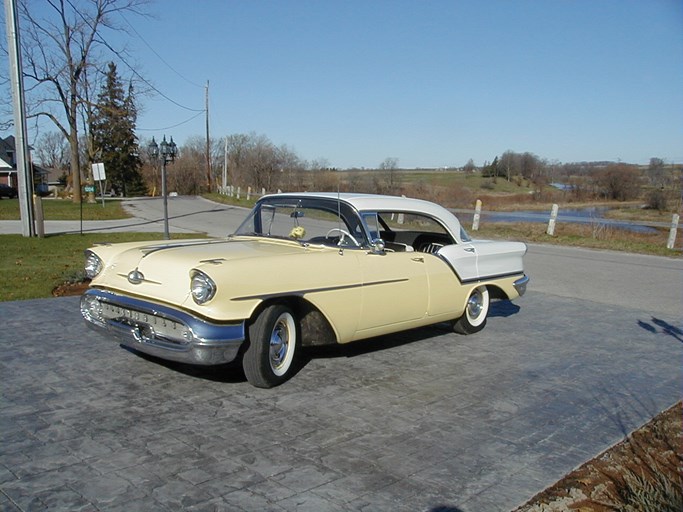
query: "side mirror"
378, 246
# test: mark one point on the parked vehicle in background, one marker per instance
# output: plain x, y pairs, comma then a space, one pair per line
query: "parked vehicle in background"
7, 191
302, 269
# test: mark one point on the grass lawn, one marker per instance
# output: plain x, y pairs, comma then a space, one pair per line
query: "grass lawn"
32, 267
65, 209
582, 235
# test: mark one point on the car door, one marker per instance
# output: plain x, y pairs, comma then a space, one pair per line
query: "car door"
395, 290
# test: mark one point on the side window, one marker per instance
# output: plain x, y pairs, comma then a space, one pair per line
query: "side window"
372, 225
414, 232
398, 221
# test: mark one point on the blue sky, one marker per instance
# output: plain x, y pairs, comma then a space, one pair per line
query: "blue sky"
432, 83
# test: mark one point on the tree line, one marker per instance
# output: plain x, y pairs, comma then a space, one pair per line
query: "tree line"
66, 50
658, 183
73, 80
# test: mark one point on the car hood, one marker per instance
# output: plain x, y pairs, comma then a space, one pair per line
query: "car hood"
167, 262
161, 271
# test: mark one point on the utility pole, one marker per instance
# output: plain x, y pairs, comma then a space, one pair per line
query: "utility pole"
225, 166
208, 141
24, 167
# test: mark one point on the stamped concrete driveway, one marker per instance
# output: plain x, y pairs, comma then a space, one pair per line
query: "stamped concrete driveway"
422, 421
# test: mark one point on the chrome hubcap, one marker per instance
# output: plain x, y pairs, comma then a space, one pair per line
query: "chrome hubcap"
279, 344
475, 304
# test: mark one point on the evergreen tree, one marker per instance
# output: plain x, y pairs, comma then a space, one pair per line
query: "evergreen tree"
491, 170
112, 129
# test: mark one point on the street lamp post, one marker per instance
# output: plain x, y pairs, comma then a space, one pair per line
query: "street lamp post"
166, 152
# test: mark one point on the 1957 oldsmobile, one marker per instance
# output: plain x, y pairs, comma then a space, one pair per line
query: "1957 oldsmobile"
302, 269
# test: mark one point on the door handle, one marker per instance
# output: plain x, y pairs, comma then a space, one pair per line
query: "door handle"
419, 259
469, 249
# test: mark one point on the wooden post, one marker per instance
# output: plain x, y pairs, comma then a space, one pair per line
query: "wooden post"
553, 219
248, 193
477, 216
38, 208
672, 233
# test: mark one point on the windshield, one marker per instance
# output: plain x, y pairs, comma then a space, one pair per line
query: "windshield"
313, 221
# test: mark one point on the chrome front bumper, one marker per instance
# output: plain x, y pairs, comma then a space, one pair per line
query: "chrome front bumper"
161, 331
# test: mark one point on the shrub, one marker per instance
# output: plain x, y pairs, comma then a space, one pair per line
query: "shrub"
656, 200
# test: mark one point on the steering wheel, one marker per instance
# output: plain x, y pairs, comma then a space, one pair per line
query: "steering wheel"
343, 234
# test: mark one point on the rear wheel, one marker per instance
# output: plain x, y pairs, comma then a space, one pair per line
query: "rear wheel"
273, 343
474, 318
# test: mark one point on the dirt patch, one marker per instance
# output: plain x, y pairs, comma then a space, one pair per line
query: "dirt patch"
70, 289
642, 473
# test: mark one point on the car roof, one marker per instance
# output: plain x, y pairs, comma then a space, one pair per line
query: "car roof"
384, 203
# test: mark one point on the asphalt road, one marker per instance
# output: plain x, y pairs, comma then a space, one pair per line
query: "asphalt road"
425, 420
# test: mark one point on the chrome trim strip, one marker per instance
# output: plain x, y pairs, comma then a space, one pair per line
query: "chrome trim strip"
474, 279
301, 293
488, 278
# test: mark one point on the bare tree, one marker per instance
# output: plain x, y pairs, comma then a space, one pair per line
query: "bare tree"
239, 145
618, 181
253, 160
469, 167
655, 172
389, 167
6, 113
187, 174
61, 41
52, 151
510, 164
263, 164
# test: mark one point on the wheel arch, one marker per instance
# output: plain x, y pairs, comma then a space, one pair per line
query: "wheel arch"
496, 292
314, 328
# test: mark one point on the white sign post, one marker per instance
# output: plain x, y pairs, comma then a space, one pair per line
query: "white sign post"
98, 174
553, 219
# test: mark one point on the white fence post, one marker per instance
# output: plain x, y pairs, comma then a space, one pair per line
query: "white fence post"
239, 191
672, 233
477, 215
553, 219
248, 193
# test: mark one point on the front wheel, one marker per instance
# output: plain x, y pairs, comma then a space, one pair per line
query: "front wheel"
474, 318
272, 347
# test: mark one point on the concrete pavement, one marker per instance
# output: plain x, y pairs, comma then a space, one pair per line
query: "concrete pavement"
421, 421
424, 420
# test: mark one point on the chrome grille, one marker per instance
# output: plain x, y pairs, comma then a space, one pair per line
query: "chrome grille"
159, 327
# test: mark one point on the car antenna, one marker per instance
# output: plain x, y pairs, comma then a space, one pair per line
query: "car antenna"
339, 222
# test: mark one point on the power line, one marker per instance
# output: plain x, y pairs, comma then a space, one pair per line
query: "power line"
143, 79
157, 54
118, 54
170, 127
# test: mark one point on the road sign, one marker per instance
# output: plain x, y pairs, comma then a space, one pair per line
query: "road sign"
90, 188
98, 173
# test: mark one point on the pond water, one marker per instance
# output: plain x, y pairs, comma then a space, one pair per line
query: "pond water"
592, 215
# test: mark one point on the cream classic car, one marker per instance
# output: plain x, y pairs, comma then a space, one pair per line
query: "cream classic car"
302, 269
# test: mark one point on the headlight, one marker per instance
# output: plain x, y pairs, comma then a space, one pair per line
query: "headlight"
202, 287
93, 264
